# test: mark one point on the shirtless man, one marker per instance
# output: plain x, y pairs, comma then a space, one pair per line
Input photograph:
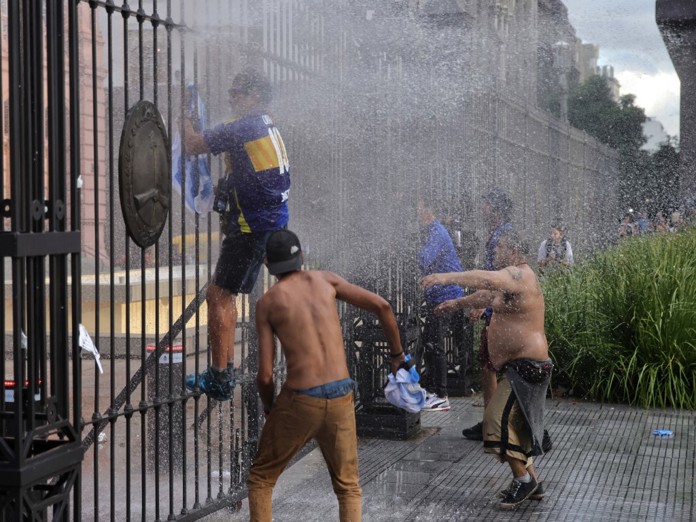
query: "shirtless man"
513, 418
316, 400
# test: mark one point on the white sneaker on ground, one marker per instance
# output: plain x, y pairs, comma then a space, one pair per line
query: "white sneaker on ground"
435, 403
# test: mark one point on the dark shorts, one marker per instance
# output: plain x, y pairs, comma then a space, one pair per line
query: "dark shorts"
241, 257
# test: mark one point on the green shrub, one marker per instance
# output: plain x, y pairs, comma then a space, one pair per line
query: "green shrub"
622, 326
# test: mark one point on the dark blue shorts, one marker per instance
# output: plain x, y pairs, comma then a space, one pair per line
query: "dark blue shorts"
241, 257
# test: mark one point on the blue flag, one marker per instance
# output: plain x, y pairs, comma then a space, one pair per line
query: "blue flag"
193, 168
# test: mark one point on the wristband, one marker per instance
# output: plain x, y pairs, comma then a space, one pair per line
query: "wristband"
392, 355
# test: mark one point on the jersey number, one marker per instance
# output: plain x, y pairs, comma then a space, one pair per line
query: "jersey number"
279, 146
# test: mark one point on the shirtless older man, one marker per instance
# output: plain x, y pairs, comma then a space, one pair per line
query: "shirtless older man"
316, 400
513, 420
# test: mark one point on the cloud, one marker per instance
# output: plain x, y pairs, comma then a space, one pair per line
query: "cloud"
629, 40
657, 93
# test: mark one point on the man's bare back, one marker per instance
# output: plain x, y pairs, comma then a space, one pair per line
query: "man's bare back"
301, 311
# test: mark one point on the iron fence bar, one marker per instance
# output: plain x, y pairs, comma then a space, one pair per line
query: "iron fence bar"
75, 260
112, 262
4, 109
155, 98
232, 411
36, 294
142, 407
97, 285
170, 231
233, 435
60, 350
196, 364
196, 183
128, 407
57, 212
182, 205
184, 182
36, 312
17, 213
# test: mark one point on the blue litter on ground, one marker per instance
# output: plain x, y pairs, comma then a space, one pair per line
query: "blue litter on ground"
663, 434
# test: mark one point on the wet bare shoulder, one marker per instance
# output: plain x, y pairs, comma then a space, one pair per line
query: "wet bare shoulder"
264, 300
515, 273
270, 298
329, 277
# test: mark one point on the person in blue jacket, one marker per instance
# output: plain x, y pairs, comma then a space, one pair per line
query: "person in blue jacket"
437, 255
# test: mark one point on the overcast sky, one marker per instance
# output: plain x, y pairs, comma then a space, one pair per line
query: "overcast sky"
630, 41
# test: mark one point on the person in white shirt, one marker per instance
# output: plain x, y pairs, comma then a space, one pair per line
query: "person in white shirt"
555, 250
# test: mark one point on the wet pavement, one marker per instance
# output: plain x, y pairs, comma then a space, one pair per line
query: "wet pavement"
605, 465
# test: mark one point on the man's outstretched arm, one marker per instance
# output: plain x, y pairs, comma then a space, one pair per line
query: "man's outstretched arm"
478, 300
505, 280
357, 296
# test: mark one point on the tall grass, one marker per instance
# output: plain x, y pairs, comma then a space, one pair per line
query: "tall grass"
622, 326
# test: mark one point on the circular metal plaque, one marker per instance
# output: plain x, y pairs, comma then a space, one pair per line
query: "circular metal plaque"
144, 167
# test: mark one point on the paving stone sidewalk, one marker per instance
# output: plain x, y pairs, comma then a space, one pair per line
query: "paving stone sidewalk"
605, 466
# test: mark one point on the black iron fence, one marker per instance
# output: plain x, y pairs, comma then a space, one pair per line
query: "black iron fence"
369, 121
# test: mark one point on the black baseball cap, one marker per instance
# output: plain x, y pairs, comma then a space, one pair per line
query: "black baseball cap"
283, 252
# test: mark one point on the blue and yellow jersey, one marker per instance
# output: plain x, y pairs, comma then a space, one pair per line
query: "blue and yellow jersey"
257, 172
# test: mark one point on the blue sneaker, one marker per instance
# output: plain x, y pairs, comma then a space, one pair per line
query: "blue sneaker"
212, 385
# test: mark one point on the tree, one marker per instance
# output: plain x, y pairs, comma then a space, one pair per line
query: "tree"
590, 107
619, 125
662, 183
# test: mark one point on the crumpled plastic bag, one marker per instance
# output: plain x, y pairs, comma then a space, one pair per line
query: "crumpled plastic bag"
403, 391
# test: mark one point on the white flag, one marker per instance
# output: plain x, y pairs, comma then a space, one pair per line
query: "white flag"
85, 342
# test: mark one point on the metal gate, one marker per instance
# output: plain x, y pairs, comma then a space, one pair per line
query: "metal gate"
366, 126
154, 450
40, 450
